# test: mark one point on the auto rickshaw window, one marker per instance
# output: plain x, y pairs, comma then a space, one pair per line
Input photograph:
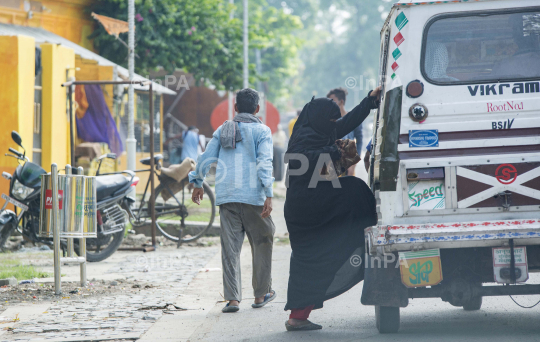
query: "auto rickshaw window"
482, 47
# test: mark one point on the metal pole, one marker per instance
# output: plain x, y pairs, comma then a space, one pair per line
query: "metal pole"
230, 92
152, 192
246, 45
258, 67
82, 245
230, 103
142, 82
71, 123
70, 248
56, 232
131, 142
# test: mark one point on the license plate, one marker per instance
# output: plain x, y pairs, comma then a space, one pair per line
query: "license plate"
14, 202
501, 265
420, 269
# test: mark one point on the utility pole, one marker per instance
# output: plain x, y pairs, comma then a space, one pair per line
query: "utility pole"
260, 89
131, 142
230, 109
246, 72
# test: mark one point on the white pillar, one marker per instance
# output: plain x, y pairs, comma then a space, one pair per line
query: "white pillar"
246, 61
131, 142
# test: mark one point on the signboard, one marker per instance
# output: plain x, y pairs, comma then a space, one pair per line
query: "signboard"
501, 264
424, 138
420, 269
426, 194
48, 199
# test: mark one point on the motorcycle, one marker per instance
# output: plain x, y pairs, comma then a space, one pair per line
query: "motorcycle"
25, 194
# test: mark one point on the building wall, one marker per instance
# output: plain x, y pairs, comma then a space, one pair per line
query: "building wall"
67, 18
58, 64
16, 98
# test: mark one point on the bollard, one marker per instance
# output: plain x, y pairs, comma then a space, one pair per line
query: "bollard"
70, 248
55, 229
82, 245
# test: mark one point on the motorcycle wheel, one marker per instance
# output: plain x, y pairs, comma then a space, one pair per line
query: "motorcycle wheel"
102, 254
5, 233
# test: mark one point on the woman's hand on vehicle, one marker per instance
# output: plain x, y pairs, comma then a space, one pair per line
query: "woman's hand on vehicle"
197, 195
376, 93
367, 160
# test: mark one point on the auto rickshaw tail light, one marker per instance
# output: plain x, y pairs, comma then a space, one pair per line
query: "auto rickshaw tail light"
415, 89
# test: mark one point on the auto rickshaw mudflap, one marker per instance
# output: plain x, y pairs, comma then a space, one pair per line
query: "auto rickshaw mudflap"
382, 283
389, 164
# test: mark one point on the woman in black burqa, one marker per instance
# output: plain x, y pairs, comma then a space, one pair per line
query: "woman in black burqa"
325, 222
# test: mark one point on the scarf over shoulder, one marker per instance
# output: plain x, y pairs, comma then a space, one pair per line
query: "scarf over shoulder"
230, 134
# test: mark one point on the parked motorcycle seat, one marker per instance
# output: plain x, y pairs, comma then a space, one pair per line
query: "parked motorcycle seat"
146, 161
108, 185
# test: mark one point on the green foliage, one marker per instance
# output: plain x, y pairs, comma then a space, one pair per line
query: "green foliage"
196, 36
342, 39
273, 32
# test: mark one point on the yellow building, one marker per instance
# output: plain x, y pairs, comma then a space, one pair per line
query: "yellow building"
50, 37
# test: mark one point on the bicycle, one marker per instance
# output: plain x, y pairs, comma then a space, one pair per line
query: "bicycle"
173, 208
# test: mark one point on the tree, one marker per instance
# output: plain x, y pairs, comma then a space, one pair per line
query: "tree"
342, 39
272, 31
196, 36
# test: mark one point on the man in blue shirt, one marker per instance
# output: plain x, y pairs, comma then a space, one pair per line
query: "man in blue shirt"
339, 96
191, 143
243, 151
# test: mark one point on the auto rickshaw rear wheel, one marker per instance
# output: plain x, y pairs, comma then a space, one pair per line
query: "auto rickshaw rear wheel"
474, 304
387, 319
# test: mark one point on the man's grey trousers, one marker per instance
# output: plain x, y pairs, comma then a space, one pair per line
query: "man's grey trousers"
238, 219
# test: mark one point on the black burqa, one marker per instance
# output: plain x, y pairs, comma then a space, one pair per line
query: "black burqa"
325, 224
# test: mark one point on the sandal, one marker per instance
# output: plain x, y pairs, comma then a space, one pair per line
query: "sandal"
230, 308
303, 327
267, 298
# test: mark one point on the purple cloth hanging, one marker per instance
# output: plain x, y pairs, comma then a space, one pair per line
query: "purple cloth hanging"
97, 124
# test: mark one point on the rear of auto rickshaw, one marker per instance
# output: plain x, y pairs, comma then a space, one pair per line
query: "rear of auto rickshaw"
455, 165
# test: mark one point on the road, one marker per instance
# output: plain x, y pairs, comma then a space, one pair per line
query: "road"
345, 319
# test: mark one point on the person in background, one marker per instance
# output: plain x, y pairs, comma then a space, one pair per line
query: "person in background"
293, 121
279, 139
191, 142
242, 148
189, 147
339, 95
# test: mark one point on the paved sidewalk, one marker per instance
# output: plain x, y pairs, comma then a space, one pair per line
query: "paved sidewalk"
148, 282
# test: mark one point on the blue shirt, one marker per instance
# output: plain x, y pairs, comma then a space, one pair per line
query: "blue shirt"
244, 173
356, 133
369, 146
189, 148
